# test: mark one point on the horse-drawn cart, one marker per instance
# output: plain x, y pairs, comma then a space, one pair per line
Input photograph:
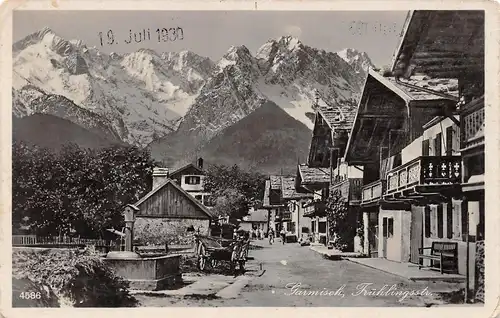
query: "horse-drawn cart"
211, 250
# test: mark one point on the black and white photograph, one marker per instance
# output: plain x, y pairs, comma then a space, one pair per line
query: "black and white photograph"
249, 158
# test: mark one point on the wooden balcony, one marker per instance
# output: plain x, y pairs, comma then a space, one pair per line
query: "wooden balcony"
373, 192
472, 121
424, 174
315, 208
350, 189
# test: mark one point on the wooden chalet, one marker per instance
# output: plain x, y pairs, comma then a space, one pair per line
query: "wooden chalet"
316, 181
399, 173
168, 208
295, 198
450, 44
273, 203
329, 141
286, 201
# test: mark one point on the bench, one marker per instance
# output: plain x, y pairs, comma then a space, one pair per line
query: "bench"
446, 253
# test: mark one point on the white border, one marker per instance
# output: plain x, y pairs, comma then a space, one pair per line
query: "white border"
492, 230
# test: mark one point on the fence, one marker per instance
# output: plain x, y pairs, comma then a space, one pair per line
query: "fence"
34, 240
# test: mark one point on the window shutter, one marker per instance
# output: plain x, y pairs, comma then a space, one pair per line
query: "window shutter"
449, 141
440, 221
433, 221
427, 221
437, 145
425, 147
449, 220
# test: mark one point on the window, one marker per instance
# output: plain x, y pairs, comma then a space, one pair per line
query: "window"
427, 221
437, 145
449, 220
192, 180
390, 227
440, 221
198, 197
313, 226
322, 227
425, 147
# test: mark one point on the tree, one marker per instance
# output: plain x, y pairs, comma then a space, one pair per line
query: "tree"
341, 223
234, 190
76, 191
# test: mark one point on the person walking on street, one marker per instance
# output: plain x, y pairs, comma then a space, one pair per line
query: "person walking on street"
283, 235
271, 236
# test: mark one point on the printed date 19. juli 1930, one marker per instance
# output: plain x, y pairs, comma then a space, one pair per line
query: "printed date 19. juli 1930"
160, 35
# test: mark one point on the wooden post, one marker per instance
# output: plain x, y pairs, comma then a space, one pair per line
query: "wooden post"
129, 234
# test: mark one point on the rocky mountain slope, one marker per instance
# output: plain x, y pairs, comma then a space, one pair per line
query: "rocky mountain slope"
143, 94
177, 103
268, 140
53, 132
284, 71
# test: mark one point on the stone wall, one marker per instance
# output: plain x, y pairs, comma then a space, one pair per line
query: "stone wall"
479, 277
158, 231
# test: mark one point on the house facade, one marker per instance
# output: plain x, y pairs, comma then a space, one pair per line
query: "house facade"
404, 140
326, 173
285, 204
191, 178
450, 44
257, 219
167, 211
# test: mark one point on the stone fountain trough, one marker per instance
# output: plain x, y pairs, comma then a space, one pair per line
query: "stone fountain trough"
146, 273
143, 273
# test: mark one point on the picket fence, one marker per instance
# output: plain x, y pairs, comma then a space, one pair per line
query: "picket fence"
34, 240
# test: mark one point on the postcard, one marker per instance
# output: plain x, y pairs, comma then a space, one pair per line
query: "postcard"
250, 156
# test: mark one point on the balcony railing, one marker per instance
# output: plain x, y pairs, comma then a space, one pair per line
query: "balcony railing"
472, 121
315, 208
425, 170
373, 192
349, 188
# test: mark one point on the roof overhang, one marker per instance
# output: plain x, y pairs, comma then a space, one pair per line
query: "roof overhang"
384, 108
374, 119
441, 43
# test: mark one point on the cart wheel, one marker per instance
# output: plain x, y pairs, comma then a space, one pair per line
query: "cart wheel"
214, 263
202, 257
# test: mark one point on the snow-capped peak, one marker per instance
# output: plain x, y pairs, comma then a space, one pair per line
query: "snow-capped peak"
290, 42
358, 60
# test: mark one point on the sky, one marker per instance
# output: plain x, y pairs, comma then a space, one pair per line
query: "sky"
212, 33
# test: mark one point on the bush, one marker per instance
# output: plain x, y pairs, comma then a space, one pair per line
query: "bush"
341, 223
80, 277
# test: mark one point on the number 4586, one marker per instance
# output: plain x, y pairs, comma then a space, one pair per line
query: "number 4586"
30, 295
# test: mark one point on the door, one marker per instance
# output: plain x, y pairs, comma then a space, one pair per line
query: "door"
373, 234
416, 233
384, 237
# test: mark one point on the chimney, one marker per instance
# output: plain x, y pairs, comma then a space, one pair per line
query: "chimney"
160, 175
200, 163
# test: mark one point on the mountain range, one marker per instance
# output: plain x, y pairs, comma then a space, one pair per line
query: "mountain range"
256, 110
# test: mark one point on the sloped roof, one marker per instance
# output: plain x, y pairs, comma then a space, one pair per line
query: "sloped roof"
288, 189
447, 86
337, 118
181, 190
189, 165
259, 215
275, 182
313, 175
